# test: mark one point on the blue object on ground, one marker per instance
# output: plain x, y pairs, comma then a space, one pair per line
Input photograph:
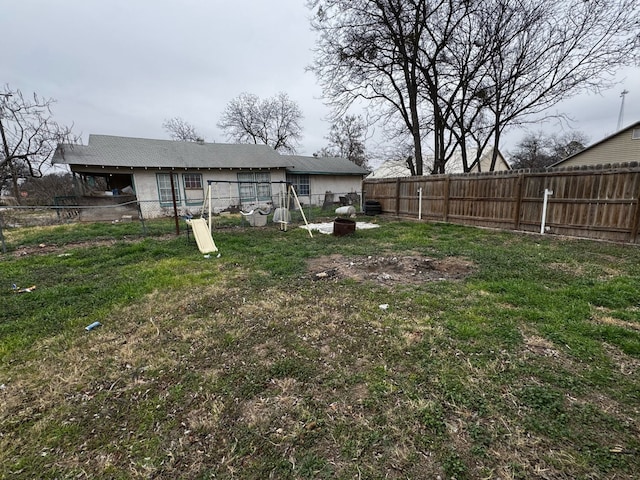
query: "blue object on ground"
92, 326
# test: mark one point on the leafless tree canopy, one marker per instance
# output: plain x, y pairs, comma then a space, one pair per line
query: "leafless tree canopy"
347, 140
43, 190
28, 136
274, 121
181, 130
539, 149
458, 73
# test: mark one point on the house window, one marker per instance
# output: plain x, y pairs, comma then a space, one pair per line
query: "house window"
193, 191
164, 187
254, 186
635, 135
192, 181
300, 183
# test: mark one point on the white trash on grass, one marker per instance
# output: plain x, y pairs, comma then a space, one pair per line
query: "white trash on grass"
327, 228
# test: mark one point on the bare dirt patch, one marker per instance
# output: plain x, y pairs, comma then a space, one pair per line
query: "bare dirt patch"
390, 269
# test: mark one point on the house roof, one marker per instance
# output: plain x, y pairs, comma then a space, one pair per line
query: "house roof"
323, 166
605, 139
113, 151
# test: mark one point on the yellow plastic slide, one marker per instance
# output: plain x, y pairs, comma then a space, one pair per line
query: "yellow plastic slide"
203, 235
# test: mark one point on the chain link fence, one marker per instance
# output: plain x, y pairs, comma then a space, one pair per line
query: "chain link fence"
151, 217
225, 204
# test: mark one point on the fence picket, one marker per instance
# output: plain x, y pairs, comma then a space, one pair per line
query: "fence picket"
593, 202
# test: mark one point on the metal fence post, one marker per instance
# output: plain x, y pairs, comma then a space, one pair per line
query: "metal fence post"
4, 247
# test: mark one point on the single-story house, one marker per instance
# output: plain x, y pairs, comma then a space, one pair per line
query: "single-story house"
240, 175
620, 147
399, 168
316, 179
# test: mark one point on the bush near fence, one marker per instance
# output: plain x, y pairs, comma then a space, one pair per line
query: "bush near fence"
600, 202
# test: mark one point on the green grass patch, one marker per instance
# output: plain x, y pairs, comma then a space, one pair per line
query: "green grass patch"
249, 365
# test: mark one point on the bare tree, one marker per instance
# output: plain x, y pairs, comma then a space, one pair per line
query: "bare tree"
368, 49
463, 72
545, 51
532, 151
43, 190
540, 149
569, 144
181, 130
274, 121
346, 139
28, 136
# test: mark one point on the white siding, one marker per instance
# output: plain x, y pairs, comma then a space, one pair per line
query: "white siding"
621, 148
338, 185
223, 193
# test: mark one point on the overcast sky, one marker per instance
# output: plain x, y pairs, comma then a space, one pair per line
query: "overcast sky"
121, 67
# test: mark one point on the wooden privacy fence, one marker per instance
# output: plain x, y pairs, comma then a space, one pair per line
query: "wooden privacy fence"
592, 202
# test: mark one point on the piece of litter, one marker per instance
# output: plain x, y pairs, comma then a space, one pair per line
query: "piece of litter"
92, 326
218, 256
327, 228
24, 290
207, 256
384, 306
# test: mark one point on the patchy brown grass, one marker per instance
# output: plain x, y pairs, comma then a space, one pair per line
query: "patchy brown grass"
305, 376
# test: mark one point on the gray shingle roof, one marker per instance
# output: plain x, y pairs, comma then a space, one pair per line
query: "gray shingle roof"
323, 166
112, 151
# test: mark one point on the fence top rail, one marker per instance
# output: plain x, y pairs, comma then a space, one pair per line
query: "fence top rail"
63, 207
248, 181
606, 168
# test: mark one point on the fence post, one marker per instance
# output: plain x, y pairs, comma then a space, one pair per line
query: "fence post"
175, 206
445, 208
144, 227
635, 223
397, 196
518, 206
4, 246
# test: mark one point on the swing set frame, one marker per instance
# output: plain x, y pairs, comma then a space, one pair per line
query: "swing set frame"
288, 191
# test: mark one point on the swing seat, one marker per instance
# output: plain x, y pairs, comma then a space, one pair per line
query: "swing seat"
281, 215
256, 217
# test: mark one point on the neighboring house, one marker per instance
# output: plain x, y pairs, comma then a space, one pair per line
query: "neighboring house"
620, 147
399, 168
239, 174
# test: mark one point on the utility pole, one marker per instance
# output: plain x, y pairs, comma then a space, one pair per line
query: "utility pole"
621, 115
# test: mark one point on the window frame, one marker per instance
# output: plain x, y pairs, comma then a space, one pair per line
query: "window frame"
189, 192
186, 182
300, 180
161, 178
254, 187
